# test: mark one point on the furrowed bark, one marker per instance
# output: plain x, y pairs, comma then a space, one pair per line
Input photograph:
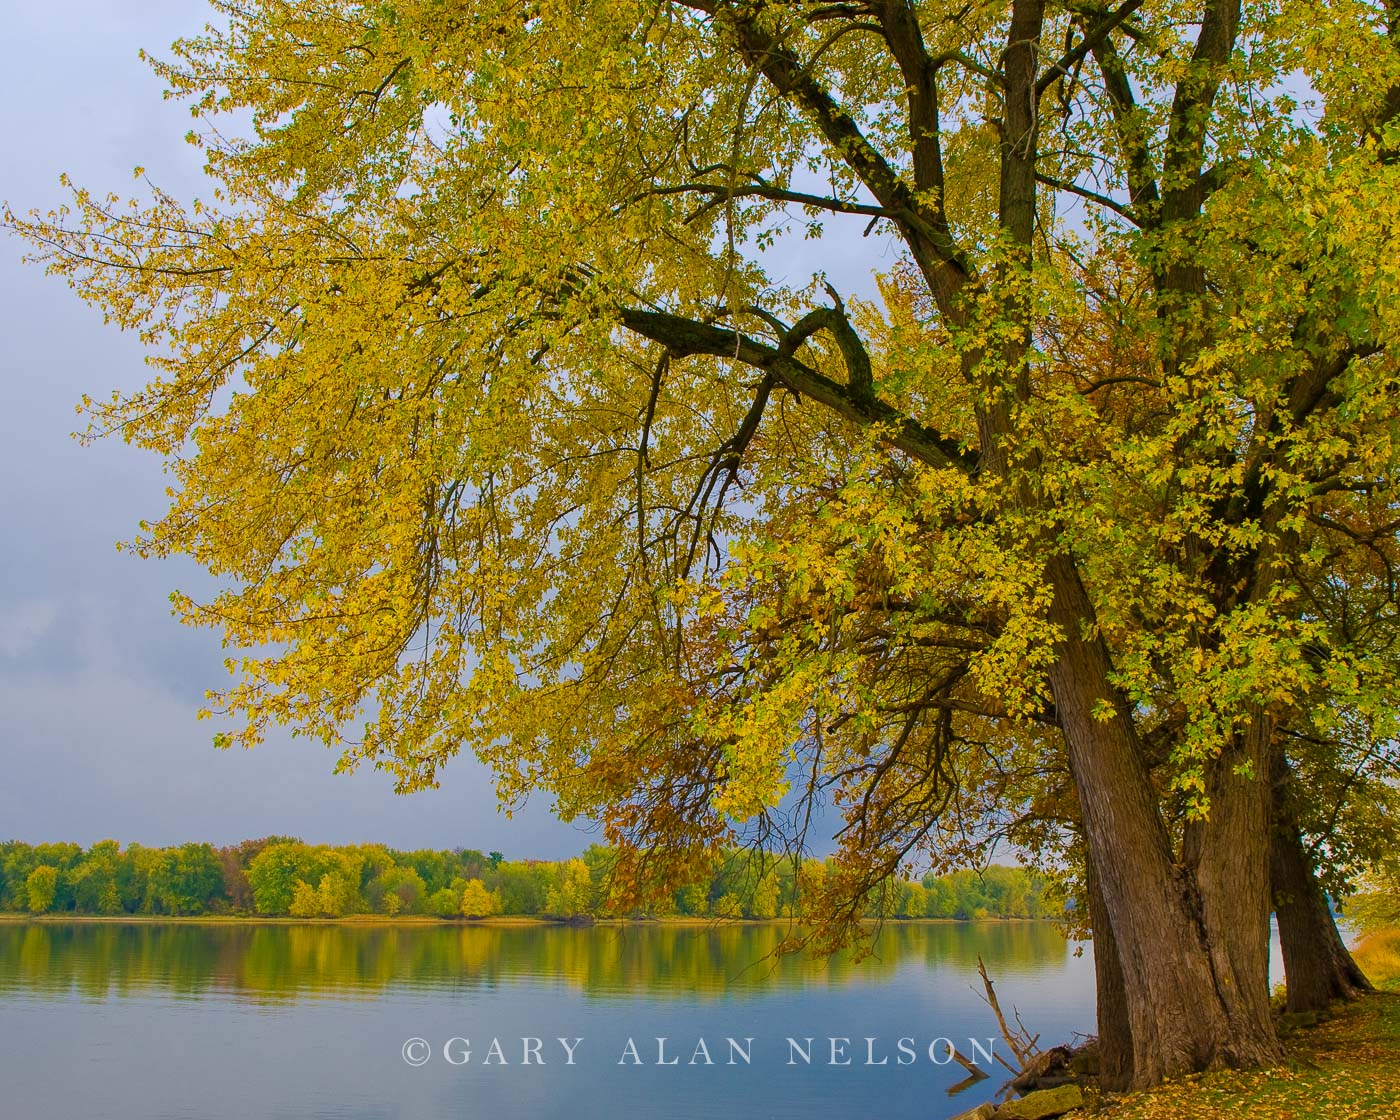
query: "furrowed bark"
1182, 1015
1316, 963
1228, 854
1115, 1030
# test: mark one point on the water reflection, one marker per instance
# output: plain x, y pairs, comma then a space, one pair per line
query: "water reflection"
291, 962
306, 1022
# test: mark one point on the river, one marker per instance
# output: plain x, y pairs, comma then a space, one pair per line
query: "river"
147, 1021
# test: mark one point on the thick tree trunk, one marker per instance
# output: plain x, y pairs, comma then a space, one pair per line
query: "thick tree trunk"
1228, 856
1316, 963
1186, 1008
1114, 1030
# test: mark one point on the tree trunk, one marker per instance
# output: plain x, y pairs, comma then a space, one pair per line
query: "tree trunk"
1114, 1030
1186, 1009
1318, 967
1228, 855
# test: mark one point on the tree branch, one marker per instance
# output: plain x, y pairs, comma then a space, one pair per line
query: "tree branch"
1190, 113
1088, 195
1092, 38
1141, 176
834, 320
686, 337
901, 30
933, 249
772, 193
1021, 127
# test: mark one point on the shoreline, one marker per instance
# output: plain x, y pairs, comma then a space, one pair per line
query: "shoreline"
497, 921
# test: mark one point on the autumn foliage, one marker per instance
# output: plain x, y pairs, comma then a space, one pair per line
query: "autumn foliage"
484, 393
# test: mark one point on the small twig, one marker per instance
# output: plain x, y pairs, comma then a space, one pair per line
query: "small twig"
1025, 1031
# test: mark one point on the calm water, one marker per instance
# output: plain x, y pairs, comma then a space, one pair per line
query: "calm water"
146, 1022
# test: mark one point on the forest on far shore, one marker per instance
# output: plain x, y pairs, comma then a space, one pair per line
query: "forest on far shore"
283, 876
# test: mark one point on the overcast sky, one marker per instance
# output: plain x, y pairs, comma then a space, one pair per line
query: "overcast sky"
98, 684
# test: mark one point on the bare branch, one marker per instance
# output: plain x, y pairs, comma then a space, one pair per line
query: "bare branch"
1090, 196
685, 337
765, 190
1092, 38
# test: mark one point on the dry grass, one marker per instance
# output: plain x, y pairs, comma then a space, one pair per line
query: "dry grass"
1378, 954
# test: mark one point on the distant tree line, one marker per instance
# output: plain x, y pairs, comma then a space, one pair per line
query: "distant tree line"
283, 876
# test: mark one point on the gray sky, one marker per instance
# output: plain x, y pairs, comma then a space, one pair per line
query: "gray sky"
98, 684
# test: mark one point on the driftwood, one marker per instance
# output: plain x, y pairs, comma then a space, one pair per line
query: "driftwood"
967, 1063
1045, 1070
1038, 1069
1022, 1044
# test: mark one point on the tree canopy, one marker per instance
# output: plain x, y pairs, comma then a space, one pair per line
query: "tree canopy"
482, 392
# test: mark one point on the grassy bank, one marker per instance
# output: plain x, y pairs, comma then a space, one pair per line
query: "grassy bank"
1378, 954
1347, 1068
